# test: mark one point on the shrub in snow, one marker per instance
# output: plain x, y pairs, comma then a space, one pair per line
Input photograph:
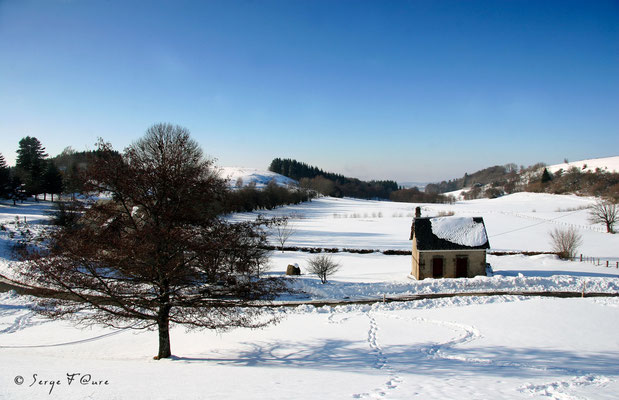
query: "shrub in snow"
323, 266
565, 242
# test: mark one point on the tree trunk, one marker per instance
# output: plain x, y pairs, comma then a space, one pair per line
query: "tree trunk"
163, 323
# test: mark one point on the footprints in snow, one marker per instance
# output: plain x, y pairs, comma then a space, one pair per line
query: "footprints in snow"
21, 321
558, 390
380, 363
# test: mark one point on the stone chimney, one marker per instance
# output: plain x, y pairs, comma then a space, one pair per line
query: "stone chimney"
418, 212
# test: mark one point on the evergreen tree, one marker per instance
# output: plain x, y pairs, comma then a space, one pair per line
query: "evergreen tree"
4, 177
546, 176
16, 189
52, 180
30, 164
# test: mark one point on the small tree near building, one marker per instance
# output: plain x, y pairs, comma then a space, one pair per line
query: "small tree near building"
565, 242
322, 266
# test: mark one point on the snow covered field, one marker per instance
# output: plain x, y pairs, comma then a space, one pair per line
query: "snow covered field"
607, 164
467, 347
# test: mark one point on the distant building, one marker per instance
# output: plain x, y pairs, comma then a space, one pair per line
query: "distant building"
448, 247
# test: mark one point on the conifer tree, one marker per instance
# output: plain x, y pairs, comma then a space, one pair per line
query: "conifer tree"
52, 180
546, 176
4, 177
30, 164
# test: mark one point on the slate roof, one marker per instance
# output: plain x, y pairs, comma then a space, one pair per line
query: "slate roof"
421, 230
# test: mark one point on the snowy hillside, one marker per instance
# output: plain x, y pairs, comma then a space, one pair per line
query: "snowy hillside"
608, 164
463, 347
252, 175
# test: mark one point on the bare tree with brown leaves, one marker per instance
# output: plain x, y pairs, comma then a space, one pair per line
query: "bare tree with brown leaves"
322, 266
156, 253
565, 242
604, 212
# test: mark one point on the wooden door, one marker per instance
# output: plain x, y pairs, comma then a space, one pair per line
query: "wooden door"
437, 267
462, 267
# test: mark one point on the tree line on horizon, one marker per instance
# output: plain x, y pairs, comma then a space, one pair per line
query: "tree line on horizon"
337, 185
35, 174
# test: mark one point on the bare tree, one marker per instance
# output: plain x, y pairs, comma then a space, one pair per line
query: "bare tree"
157, 253
284, 229
323, 266
565, 242
604, 212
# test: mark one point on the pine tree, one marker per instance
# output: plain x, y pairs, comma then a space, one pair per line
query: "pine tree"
4, 177
546, 176
52, 180
30, 164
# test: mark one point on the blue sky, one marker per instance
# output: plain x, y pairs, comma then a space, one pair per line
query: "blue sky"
405, 90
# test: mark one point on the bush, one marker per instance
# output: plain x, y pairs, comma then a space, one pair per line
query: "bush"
323, 266
565, 242
66, 213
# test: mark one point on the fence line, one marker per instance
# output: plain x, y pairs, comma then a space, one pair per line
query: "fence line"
599, 261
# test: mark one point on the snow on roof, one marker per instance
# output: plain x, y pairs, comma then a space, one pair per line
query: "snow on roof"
460, 230
450, 233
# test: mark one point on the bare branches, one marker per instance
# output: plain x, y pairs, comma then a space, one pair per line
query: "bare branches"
323, 266
604, 212
565, 242
156, 252
284, 229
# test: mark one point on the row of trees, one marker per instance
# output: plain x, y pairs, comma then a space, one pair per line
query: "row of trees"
331, 184
414, 195
589, 183
33, 173
249, 198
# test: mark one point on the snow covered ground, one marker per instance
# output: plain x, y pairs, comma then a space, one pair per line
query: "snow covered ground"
260, 178
466, 347
607, 164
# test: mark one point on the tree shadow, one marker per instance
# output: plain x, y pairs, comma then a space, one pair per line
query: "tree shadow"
420, 359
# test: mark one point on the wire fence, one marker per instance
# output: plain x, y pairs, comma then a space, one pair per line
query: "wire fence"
608, 262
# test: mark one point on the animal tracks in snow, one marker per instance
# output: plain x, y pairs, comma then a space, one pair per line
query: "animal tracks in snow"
21, 322
448, 349
381, 363
559, 390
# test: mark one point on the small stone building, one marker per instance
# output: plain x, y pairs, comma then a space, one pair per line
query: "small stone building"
449, 247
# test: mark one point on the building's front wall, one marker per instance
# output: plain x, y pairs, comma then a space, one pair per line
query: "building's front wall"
423, 262
415, 270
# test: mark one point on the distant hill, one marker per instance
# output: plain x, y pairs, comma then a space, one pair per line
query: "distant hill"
418, 185
248, 176
606, 164
332, 184
498, 175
